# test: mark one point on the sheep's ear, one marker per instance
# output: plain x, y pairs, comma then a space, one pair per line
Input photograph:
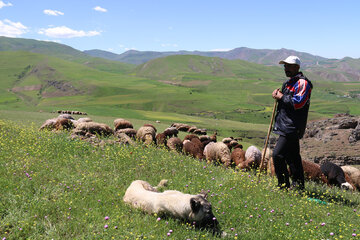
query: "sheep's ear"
195, 205
203, 194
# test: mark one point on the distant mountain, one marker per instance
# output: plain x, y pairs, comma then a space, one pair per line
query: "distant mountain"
63, 52
343, 70
260, 56
43, 47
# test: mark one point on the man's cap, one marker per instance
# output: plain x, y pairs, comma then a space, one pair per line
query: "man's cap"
291, 60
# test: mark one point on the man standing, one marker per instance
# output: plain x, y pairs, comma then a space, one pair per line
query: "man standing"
290, 123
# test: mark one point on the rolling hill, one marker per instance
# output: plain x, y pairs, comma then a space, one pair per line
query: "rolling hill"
63, 52
341, 70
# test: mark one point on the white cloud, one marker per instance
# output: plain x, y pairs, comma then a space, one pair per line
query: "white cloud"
169, 45
65, 32
2, 4
132, 48
53, 12
11, 29
220, 50
49, 40
100, 9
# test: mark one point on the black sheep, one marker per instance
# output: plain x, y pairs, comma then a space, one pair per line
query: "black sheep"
335, 175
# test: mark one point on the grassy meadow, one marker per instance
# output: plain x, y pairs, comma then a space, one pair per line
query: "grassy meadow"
56, 188
197, 86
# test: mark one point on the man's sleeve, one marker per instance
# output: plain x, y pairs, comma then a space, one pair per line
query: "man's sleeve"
302, 90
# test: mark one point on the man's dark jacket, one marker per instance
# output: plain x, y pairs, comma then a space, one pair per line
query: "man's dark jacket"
293, 107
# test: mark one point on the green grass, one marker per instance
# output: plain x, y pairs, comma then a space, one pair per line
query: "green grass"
54, 187
211, 88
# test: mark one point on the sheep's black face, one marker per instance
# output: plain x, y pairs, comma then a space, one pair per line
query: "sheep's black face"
203, 215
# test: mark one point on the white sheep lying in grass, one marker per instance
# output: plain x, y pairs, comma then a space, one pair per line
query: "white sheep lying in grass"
217, 152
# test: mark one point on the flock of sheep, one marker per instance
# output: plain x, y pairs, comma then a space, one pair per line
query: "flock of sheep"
228, 152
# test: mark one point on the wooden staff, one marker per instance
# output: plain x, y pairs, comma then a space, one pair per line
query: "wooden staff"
267, 138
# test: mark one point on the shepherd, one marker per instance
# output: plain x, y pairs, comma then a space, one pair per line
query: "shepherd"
290, 123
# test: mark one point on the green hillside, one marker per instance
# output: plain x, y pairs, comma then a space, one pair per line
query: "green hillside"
62, 51
196, 86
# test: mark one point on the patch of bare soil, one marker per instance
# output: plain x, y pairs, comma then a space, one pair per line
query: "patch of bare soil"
27, 88
336, 139
188, 84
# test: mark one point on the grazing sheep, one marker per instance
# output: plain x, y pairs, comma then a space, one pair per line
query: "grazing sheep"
313, 172
64, 124
183, 127
253, 157
335, 175
354, 175
150, 125
227, 140
67, 116
93, 128
128, 131
146, 134
194, 208
213, 137
76, 122
192, 129
190, 137
160, 139
124, 138
238, 157
122, 124
218, 152
174, 144
200, 131
171, 132
268, 164
48, 124
193, 148
204, 138
86, 119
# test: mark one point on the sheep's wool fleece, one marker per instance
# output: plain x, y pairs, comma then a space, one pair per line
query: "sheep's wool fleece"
93, 126
217, 151
253, 153
145, 130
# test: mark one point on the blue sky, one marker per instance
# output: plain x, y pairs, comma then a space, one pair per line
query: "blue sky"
325, 28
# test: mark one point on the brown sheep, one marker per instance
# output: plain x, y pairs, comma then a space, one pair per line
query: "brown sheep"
192, 129
171, 132
238, 156
268, 164
93, 128
190, 136
183, 127
122, 124
204, 138
174, 144
161, 139
194, 148
128, 131
64, 124
213, 137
